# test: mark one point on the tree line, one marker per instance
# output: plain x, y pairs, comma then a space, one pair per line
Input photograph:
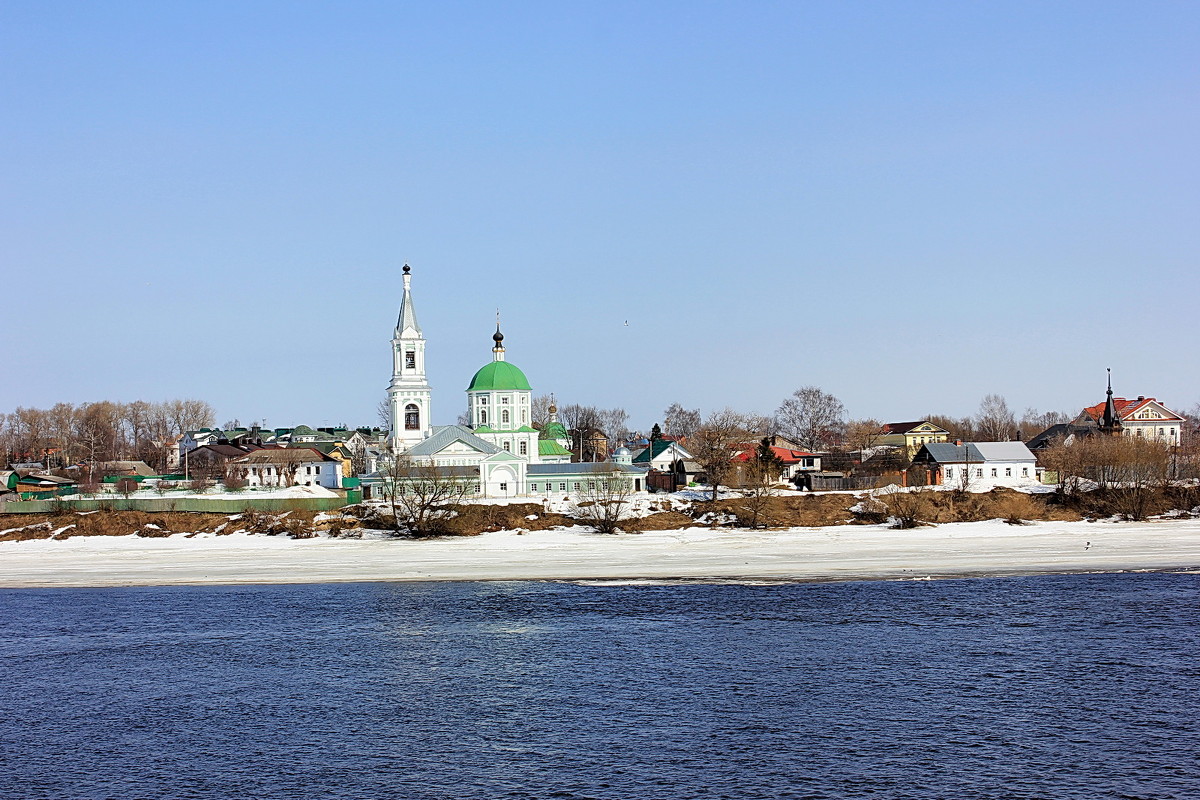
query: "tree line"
68, 433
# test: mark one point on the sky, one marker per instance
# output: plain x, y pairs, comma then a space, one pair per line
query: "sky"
909, 205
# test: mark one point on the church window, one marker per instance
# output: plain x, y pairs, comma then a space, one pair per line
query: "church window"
523, 448
483, 400
410, 360
412, 418
483, 416
504, 400
508, 447
524, 416
504, 416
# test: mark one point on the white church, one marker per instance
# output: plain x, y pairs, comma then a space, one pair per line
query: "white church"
499, 447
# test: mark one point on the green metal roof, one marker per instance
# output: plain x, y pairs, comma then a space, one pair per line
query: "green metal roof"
554, 430
549, 447
499, 376
485, 429
645, 456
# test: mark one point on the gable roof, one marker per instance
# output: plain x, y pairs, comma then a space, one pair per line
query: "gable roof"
784, 454
905, 427
447, 435
1127, 408
549, 447
973, 452
660, 447
280, 455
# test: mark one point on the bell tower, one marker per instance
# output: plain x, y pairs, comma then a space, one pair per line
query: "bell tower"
409, 393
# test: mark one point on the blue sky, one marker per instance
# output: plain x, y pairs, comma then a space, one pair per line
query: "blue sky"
909, 205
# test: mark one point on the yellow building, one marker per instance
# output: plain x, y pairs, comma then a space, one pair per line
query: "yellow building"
911, 435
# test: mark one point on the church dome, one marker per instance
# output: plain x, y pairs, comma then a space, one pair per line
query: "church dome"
499, 376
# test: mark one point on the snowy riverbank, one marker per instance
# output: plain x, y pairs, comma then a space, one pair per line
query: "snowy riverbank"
832, 553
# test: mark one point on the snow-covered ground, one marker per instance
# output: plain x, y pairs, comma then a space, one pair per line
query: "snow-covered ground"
831, 553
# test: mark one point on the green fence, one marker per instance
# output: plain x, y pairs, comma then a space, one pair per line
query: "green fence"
157, 505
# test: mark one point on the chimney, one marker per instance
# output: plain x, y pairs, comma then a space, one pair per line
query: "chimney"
958, 442
1141, 397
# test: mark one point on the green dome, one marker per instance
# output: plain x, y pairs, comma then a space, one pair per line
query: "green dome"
499, 376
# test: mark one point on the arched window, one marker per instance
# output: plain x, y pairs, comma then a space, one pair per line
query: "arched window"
504, 417
412, 418
483, 416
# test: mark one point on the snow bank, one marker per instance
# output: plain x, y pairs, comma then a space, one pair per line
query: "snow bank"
833, 553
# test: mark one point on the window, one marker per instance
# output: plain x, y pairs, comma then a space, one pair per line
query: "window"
507, 447
523, 448
524, 416
575, 486
591, 485
504, 400
1024, 472
533, 487
483, 416
412, 418
483, 400
504, 488
410, 360
1160, 431
562, 487
637, 484
978, 473
949, 472
477, 488
1008, 472
504, 417
993, 472
1139, 431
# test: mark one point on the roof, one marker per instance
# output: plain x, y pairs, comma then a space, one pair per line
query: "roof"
905, 427
447, 435
136, 467
1063, 430
499, 376
1127, 408
585, 468
554, 430
408, 315
279, 455
976, 452
660, 446
784, 454
549, 447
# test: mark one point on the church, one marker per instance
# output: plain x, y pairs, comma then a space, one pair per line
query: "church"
498, 447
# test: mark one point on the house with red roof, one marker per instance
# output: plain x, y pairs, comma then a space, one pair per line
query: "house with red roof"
1144, 417
794, 461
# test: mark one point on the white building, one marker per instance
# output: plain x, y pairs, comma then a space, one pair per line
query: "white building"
978, 465
292, 466
499, 447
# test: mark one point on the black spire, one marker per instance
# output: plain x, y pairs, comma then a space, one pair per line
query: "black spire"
1110, 422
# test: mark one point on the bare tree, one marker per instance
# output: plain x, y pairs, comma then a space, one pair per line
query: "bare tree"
961, 428
383, 412
539, 409
421, 495
1034, 422
715, 443
863, 434
995, 421
680, 422
812, 417
758, 477
605, 501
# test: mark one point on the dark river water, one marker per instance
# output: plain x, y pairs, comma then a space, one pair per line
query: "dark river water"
1042, 687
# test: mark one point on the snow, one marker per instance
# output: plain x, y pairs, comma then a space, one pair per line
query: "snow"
832, 553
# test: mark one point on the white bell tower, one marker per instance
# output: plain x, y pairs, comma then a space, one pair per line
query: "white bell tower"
409, 393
